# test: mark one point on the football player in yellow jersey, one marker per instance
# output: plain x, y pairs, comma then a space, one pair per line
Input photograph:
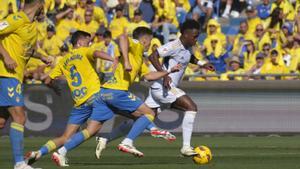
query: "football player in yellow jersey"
84, 84
115, 91
17, 35
123, 101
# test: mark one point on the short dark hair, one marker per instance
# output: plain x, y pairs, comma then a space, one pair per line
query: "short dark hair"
78, 35
141, 31
107, 34
189, 24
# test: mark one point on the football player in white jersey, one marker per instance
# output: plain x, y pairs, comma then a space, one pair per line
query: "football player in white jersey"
165, 91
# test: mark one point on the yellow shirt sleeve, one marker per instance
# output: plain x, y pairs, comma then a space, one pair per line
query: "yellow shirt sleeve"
10, 24
56, 72
144, 70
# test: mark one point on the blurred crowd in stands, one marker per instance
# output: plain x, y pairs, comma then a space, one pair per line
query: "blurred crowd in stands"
243, 39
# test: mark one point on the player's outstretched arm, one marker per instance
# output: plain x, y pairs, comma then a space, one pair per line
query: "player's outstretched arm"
202, 64
160, 74
103, 55
154, 59
124, 45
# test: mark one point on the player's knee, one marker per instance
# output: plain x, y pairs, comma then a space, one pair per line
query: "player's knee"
192, 107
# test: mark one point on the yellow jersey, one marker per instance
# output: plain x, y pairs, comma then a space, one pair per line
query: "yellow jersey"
123, 79
99, 16
4, 7
64, 27
42, 30
18, 35
91, 27
82, 79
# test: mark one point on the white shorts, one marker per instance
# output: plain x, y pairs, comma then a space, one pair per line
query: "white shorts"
158, 95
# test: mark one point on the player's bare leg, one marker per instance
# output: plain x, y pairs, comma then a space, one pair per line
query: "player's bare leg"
186, 104
51, 145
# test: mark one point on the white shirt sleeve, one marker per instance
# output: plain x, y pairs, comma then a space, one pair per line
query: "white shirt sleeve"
166, 50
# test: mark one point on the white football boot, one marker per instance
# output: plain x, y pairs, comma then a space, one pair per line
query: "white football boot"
188, 151
130, 149
101, 145
60, 160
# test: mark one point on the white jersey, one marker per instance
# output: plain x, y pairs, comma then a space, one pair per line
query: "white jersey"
173, 53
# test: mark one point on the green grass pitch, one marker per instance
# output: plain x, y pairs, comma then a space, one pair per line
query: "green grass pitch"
229, 152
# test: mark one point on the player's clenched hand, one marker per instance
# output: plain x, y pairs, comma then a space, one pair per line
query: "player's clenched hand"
176, 68
127, 66
167, 81
10, 64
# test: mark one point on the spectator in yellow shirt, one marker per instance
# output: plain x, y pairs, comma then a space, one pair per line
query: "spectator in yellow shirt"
98, 13
261, 37
89, 25
256, 69
137, 21
51, 45
80, 10
266, 49
65, 23
252, 18
240, 38
214, 30
248, 57
165, 18
274, 67
119, 24
234, 69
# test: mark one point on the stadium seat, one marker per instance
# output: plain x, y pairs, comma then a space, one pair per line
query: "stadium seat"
236, 21
148, 11
201, 37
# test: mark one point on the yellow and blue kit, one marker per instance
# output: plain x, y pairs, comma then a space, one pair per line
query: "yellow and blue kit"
84, 84
115, 91
18, 35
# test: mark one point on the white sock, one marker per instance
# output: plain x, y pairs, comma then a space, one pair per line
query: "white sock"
227, 9
187, 127
62, 151
127, 141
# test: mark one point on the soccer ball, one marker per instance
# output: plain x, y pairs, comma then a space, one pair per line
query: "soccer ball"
204, 155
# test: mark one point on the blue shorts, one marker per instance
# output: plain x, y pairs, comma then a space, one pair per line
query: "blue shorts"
120, 100
11, 92
93, 109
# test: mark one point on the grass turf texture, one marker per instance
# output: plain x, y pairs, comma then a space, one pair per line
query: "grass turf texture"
229, 152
